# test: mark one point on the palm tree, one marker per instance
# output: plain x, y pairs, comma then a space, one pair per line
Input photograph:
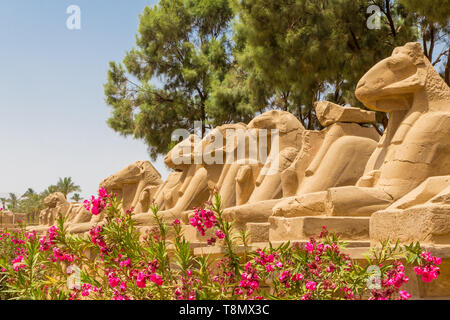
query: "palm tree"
76, 197
66, 186
50, 189
29, 193
3, 201
13, 201
31, 203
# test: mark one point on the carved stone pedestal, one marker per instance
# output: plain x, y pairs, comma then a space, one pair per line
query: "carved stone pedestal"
302, 228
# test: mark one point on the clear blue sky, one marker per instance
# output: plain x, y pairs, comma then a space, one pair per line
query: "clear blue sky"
52, 109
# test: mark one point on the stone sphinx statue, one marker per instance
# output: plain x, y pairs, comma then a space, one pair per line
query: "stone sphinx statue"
253, 173
414, 146
422, 215
84, 221
334, 156
260, 182
171, 195
172, 192
226, 185
344, 135
133, 183
198, 166
289, 131
164, 195
56, 203
168, 193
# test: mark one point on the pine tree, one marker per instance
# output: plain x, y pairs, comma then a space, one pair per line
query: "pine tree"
308, 50
182, 51
434, 28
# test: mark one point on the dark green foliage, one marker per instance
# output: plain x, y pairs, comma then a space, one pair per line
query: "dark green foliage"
182, 51
220, 61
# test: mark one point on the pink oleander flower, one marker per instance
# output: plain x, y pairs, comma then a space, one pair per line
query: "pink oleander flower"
323, 233
331, 267
285, 277
348, 293
428, 270
297, 277
311, 285
306, 296
428, 273
125, 263
17, 241
20, 251
52, 234
58, 254
85, 292
30, 236
87, 288
97, 205
404, 295
250, 279
203, 219
220, 234
309, 247
113, 280
269, 268
102, 193
152, 266
45, 245
140, 281
396, 277
157, 279
429, 258
18, 263
264, 259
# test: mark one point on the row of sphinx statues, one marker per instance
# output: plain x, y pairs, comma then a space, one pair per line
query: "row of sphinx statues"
346, 169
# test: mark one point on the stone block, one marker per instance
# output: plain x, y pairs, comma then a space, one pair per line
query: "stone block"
302, 228
259, 232
424, 223
329, 113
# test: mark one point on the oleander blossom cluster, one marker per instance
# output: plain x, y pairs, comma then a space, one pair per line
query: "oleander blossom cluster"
186, 289
98, 240
429, 269
203, 219
114, 261
250, 279
97, 204
47, 241
392, 283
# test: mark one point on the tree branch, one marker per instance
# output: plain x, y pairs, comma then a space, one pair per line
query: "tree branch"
438, 59
389, 17
355, 40
424, 42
